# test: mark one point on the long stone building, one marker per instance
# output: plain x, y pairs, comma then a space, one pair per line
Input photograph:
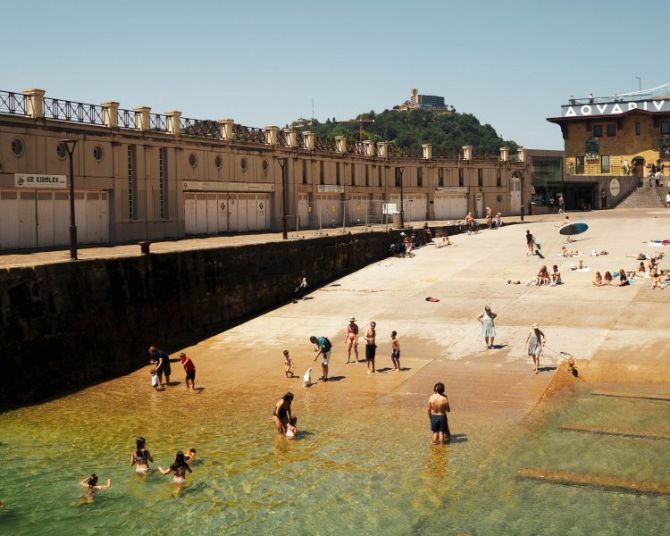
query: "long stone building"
142, 175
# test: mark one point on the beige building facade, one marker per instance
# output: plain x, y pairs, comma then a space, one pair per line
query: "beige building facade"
140, 175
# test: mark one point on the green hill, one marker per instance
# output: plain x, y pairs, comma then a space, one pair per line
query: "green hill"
407, 130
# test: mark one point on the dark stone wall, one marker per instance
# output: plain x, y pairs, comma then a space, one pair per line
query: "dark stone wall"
65, 326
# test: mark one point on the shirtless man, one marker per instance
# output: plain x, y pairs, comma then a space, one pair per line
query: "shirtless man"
352, 339
370, 347
438, 406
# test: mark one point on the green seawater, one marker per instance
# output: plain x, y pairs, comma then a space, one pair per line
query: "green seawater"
360, 466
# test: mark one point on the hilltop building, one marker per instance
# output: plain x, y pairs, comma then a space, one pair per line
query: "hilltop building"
425, 102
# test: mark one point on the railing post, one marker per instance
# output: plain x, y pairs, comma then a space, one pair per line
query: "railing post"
341, 144
226, 126
369, 148
309, 138
467, 152
427, 151
110, 114
383, 149
34, 102
504, 154
142, 117
522, 154
173, 122
271, 135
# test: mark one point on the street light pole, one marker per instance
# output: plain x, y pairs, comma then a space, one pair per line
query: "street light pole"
401, 170
639, 83
284, 214
69, 147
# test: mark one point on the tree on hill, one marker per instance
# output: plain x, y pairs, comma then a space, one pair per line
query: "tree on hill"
409, 129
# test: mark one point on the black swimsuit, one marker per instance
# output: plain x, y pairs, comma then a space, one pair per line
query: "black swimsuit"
281, 414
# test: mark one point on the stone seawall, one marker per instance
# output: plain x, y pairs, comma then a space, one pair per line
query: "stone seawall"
65, 326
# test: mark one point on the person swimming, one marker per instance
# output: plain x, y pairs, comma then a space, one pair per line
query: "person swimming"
179, 468
141, 457
91, 485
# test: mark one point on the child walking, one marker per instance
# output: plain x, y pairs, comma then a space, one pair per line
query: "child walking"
189, 368
155, 384
288, 365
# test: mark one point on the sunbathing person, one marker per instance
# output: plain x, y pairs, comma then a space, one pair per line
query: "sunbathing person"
598, 280
623, 279
555, 276
641, 272
607, 278
656, 280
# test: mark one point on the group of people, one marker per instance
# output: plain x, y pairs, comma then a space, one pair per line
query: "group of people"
161, 370
546, 278
140, 458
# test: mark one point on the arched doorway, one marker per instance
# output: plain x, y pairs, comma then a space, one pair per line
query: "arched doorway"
638, 167
479, 205
515, 195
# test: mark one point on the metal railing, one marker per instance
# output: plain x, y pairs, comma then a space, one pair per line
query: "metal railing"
13, 103
249, 134
158, 122
65, 110
324, 144
204, 128
126, 118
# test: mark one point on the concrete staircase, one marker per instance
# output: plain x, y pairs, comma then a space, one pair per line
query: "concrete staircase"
644, 197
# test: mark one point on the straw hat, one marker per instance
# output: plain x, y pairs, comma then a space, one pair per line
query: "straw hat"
535, 326
352, 319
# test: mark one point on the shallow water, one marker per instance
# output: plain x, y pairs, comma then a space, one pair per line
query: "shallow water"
361, 465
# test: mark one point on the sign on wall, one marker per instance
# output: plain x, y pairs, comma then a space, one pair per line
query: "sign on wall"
615, 108
34, 182
331, 188
615, 187
218, 186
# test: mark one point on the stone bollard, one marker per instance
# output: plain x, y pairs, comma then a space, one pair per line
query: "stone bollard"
144, 246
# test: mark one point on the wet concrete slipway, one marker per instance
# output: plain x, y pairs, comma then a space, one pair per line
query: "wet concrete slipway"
531, 454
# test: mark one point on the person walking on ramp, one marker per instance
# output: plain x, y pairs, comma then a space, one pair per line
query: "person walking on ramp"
323, 348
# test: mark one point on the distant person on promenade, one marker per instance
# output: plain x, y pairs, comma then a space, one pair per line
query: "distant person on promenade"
299, 291
530, 243
288, 365
162, 361
91, 485
395, 351
141, 456
351, 339
489, 217
561, 204
189, 368
535, 342
179, 468
282, 413
438, 407
667, 199
323, 349
488, 326
371, 347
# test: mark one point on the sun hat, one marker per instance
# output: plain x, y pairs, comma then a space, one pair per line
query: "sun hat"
535, 326
352, 319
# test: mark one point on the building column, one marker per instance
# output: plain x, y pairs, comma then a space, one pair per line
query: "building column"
142, 118
341, 144
173, 122
34, 102
383, 149
504, 154
309, 138
226, 126
271, 135
467, 152
522, 154
427, 151
369, 148
291, 137
110, 114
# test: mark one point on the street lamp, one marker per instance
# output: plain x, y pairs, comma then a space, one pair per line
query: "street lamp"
69, 145
284, 215
639, 83
401, 170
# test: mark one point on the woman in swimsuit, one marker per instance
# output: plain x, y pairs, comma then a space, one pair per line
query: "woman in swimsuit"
179, 468
598, 280
352, 339
623, 279
141, 457
607, 279
543, 276
91, 485
282, 413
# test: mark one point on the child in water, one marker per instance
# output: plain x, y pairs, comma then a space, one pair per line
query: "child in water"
179, 468
291, 429
91, 485
190, 456
395, 351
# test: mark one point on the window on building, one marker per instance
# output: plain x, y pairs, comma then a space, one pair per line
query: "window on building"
163, 185
132, 182
367, 175
579, 165
638, 129
353, 174
604, 164
440, 177
611, 129
398, 177
461, 177
480, 177
598, 131
304, 171
321, 173
498, 177
337, 173
665, 127
419, 176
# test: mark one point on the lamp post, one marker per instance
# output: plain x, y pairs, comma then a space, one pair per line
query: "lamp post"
69, 147
639, 83
284, 215
401, 170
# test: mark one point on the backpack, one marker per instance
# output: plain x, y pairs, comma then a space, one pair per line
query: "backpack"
328, 346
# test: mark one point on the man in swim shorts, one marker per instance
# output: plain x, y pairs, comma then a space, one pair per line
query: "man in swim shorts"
323, 348
438, 406
371, 347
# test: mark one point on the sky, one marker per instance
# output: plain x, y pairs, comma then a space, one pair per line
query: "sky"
511, 64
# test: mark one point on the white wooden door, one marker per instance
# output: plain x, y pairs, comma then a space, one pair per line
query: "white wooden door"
212, 214
190, 214
222, 213
9, 219
303, 211
62, 218
515, 196
233, 224
27, 220
45, 219
201, 213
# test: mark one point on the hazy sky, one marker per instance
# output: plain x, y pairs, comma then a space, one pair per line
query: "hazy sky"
512, 64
